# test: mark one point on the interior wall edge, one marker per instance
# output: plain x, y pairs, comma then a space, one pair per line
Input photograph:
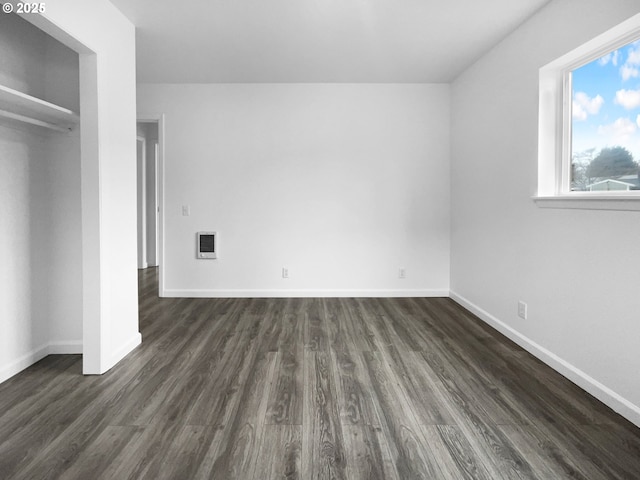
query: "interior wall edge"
124, 349
612, 399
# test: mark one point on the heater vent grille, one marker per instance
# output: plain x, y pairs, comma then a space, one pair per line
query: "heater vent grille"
206, 245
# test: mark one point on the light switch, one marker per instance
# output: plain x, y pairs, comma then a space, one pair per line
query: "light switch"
186, 210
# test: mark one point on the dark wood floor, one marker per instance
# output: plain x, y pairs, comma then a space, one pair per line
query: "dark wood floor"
309, 388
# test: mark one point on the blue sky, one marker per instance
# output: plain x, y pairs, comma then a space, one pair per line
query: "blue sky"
606, 102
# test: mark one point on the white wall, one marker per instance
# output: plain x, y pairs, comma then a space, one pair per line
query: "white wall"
40, 226
583, 317
61, 76
64, 251
342, 184
22, 50
25, 335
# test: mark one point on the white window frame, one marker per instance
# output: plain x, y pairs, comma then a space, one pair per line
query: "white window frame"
555, 120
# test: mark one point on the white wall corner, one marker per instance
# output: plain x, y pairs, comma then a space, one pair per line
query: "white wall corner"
607, 396
65, 347
25, 361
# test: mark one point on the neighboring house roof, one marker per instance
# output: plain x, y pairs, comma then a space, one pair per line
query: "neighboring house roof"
609, 181
633, 179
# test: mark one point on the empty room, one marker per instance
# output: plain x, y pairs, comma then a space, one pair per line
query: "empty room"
320, 239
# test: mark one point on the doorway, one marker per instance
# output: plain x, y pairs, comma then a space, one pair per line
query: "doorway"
149, 168
148, 209
141, 187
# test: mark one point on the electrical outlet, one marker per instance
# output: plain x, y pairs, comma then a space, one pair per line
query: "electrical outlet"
402, 273
522, 310
285, 272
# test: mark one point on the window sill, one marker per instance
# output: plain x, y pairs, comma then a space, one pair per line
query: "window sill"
590, 202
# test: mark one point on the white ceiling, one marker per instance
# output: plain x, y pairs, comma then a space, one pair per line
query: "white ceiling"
379, 41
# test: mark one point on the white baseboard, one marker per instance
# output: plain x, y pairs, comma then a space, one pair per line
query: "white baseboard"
125, 349
37, 354
607, 396
175, 293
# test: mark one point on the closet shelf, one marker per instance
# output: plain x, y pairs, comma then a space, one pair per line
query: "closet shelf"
19, 106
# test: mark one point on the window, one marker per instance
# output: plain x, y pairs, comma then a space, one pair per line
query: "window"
589, 124
605, 122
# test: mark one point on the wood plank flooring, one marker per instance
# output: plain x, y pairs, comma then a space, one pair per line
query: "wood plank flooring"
309, 389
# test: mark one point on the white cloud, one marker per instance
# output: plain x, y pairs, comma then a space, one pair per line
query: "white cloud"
578, 113
638, 120
620, 131
627, 72
634, 56
628, 99
610, 57
630, 68
583, 105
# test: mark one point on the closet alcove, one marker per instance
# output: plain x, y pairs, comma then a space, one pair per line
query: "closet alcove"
40, 197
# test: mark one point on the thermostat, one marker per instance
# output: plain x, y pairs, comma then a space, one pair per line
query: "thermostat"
206, 245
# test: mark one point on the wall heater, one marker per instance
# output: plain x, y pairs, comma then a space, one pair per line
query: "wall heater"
207, 245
